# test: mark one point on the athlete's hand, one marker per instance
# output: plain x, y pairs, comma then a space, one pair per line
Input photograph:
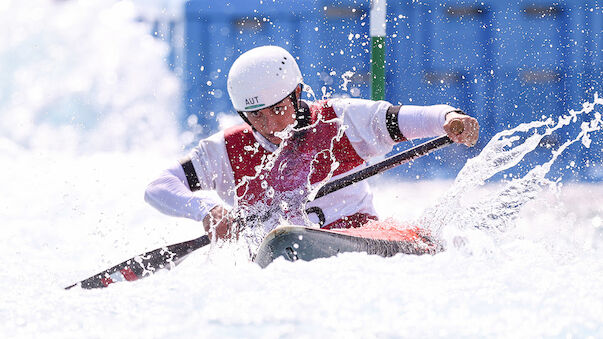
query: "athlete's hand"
461, 128
218, 222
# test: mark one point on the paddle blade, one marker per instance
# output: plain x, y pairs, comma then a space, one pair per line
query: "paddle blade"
143, 265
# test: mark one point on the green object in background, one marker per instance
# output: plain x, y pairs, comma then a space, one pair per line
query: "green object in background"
378, 68
377, 29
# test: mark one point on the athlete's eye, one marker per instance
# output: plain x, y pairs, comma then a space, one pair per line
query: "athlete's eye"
279, 110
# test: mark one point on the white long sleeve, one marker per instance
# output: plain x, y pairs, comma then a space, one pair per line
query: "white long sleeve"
169, 193
423, 121
366, 123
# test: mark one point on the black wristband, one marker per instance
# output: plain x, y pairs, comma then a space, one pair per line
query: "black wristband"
391, 122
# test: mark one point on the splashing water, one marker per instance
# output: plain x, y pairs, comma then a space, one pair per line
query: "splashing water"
309, 91
287, 179
75, 82
347, 78
463, 210
459, 216
325, 94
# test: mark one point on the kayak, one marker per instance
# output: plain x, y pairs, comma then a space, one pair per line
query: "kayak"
291, 242
305, 243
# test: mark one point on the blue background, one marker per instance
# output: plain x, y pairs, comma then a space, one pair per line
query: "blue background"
504, 62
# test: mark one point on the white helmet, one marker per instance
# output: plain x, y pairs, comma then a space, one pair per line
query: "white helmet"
262, 77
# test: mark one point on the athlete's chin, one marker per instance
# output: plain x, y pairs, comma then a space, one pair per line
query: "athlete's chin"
275, 140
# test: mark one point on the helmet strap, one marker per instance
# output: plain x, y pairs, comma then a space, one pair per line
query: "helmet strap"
244, 117
302, 111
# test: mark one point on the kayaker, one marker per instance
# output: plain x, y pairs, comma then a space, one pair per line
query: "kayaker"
265, 86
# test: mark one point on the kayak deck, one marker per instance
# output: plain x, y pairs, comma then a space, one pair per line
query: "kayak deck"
303, 243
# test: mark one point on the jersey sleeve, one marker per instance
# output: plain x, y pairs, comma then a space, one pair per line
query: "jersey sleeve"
364, 121
195, 185
171, 195
374, 127
422, 121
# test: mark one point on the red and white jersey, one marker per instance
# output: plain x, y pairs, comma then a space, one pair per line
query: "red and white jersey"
227, 164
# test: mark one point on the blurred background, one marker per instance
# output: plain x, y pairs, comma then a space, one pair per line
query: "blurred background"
97, 97
504, 62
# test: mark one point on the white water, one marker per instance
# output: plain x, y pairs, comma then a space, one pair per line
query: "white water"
72, 205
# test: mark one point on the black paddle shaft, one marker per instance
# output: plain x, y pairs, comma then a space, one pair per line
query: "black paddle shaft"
391, 162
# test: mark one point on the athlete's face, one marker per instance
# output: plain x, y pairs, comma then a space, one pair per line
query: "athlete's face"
268, 121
